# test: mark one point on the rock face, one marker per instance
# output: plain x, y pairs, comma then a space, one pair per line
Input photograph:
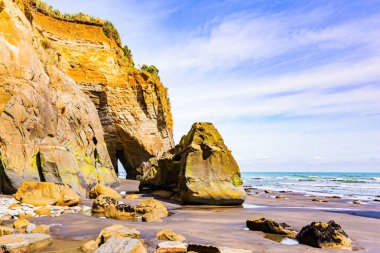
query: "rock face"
200, 168
324, 235
133, 105
46, 193
270, 226
50, 130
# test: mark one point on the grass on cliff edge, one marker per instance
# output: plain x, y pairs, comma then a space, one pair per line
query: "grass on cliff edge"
108, 28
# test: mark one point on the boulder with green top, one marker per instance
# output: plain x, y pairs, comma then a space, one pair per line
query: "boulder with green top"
200, 169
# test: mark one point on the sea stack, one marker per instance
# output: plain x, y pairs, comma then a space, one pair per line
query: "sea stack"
200, 169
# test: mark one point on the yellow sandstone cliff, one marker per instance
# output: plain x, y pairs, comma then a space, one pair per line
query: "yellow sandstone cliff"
71, 103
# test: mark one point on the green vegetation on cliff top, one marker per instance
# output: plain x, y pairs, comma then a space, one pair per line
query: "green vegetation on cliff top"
108, 28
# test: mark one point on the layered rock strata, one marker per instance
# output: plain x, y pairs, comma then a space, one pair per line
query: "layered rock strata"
133, 105
50, 130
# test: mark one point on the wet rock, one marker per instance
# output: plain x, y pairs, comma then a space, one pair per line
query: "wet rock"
14, 206
270, 226
89, 247
30, 228
43, 211
171, 247
319, 200
101, 203
117, 231
280, 197
46, 193
163, 194
333, 197
20, 224
103, 190
169, 235
42, 229
124, 245
132, 196
152, 210
120, 212
6, 230
213, 249
324, 235
24, 242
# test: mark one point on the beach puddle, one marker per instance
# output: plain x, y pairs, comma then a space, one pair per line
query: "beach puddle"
281, 239
63, 246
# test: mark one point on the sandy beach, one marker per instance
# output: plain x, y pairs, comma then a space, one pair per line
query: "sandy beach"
225, 226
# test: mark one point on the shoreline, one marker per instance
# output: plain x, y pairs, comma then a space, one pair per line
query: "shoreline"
225, 226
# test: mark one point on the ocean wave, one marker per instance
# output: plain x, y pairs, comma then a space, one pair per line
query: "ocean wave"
352, 181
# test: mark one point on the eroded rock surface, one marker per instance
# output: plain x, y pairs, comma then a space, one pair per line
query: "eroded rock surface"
200, 169
24, 242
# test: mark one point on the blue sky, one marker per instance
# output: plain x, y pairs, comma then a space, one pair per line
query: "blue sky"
291, 85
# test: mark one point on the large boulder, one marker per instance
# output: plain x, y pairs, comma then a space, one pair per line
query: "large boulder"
324, 235
100, 189
201, 169
270, 226
45, 193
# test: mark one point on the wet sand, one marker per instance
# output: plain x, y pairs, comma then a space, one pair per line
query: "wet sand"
225, 226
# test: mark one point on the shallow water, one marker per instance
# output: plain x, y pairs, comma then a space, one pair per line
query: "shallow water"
365, 186
281, 239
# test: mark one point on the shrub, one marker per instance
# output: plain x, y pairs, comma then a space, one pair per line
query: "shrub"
111, 32
127, 52
151, 69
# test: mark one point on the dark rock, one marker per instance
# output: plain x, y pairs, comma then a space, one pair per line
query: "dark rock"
324, 235
270, 226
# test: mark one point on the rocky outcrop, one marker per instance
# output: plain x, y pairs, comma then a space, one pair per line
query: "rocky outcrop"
270, 226
324, 235
200, 169
133, 105
50, 130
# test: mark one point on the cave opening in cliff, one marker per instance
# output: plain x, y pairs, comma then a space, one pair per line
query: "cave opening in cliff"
119, 168
121, 172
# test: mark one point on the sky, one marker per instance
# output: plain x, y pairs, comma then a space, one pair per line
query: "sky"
290, 85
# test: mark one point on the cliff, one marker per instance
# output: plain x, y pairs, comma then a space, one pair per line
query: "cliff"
72, 104
133, 105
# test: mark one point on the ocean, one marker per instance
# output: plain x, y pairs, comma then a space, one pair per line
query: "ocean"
364, 186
